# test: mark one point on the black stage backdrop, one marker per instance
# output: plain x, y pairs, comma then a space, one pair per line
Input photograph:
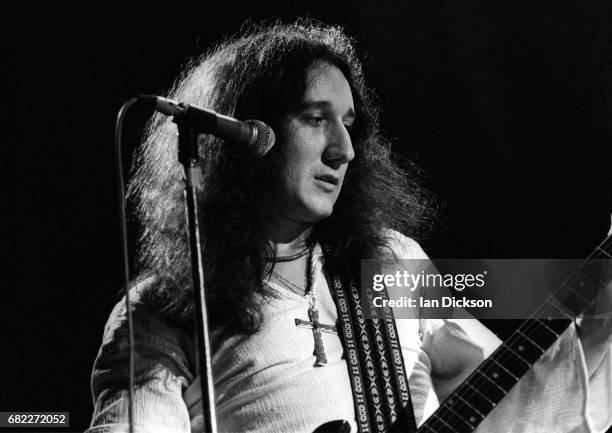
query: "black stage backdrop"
506, 107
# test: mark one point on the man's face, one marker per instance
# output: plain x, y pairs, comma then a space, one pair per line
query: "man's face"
316, 146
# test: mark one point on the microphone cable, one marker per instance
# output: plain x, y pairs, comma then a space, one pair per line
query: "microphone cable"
125, 251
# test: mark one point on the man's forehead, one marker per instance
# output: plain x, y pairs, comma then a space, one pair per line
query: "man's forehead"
327, 88
323, 73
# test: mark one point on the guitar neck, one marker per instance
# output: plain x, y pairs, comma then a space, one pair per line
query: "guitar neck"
493, 379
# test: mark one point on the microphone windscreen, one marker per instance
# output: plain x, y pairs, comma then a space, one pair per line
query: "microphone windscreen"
265, 138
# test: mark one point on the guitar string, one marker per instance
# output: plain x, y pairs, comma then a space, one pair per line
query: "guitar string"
467, 390
530, 325
474, 379
485, 378
477, 381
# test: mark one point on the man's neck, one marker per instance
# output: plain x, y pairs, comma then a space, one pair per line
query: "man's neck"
288, 239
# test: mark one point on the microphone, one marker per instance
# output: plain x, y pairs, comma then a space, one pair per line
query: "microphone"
254, 134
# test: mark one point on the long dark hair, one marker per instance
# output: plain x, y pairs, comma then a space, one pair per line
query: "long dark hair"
259, 74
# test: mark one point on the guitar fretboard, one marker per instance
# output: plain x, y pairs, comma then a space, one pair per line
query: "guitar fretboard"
493, 379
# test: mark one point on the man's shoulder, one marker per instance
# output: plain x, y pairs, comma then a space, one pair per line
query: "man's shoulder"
137, 289
402, 246
141, 311
156, 343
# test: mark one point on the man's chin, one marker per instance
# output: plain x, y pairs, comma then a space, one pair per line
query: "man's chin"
321, 213
314, 214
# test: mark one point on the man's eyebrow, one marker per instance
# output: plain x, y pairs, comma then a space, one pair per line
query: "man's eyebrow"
306, 105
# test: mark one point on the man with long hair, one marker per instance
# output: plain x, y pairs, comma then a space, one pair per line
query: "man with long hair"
276, 232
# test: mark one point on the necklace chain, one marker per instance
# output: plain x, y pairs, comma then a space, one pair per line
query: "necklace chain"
290, 258
309, 276
290, 284
313, 314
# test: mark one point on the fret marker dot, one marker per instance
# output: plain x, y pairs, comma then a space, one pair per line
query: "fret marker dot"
472, 419
495, 375
521, 348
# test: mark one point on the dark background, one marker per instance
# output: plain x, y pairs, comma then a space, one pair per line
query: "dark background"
506, 106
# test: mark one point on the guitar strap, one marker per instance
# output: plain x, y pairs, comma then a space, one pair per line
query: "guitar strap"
373, 354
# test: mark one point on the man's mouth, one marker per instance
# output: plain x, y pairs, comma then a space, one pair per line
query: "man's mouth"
329, 178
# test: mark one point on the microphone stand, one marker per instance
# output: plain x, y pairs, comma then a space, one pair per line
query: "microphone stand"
188, 156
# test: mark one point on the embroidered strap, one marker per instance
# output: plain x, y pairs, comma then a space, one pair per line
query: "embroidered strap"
374, 358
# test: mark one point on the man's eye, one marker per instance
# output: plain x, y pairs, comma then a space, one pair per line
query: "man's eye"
315, 120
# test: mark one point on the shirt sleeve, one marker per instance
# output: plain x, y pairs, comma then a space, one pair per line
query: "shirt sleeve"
161, 374
558, 394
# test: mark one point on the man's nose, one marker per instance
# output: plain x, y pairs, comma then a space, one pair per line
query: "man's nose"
339, 148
